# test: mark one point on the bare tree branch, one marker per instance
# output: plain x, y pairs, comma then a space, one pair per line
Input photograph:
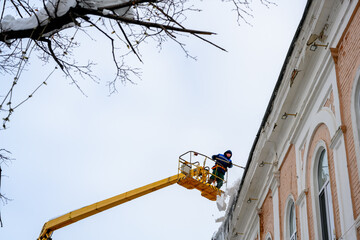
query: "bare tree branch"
4, 159
51, 31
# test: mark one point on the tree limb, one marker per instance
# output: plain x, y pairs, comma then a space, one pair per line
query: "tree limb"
60, 22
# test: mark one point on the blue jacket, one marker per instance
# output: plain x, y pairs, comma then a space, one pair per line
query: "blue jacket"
222, 163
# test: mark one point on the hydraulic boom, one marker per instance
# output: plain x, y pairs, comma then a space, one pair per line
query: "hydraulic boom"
190, 175
95, 208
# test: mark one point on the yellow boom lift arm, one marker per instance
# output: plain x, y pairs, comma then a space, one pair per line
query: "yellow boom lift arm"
190, 175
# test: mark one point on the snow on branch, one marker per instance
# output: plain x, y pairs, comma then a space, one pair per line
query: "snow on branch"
55, 19
52, 31
137, 20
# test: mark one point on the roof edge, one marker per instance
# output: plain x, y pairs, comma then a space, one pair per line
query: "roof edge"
225, 224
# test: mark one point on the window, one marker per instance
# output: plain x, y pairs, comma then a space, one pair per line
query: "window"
268, 236
355, 115
292, 222
358, 107
325, 201
290, 219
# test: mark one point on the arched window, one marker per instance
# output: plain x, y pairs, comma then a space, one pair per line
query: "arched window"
325, 201
268, 236
357, 108
355, 115
292, 222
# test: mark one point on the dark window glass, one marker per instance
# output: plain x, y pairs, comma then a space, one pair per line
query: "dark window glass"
323, 170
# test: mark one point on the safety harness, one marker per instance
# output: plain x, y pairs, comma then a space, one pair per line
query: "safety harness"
218, 166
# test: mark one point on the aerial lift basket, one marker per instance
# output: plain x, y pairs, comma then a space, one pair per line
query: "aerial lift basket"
195, 174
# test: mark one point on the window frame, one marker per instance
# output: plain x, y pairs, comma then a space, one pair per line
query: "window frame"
324, 199
355, 115
292, 217
268, 236
290, 204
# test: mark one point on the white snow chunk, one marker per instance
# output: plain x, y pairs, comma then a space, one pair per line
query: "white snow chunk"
220, 219
220, 202
95, 4
125, 12
58, 8
6, 22
9, 23
228, 222
218, 236
234, 188
106, 12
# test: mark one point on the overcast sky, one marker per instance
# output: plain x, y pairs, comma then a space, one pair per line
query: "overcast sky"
71, 150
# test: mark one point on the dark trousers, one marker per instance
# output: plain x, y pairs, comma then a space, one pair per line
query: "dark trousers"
218, 176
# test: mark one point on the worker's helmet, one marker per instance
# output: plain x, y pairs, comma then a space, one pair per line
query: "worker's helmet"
228, 151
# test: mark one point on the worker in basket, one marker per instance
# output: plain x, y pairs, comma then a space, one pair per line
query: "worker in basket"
222, 163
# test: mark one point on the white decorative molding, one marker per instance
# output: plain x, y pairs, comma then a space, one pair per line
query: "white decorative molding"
357, 222
345, 211
328, 100
276, 211
253, 228
302, 206
301, 197
355, 115
275, 183
338, 134
258, 211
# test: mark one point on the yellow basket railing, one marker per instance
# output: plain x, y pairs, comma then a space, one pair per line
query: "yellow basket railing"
196, 165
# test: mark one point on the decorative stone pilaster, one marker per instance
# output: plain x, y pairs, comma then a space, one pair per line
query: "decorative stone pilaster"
274, 186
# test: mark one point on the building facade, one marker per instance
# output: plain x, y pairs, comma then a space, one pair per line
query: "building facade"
302, 178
